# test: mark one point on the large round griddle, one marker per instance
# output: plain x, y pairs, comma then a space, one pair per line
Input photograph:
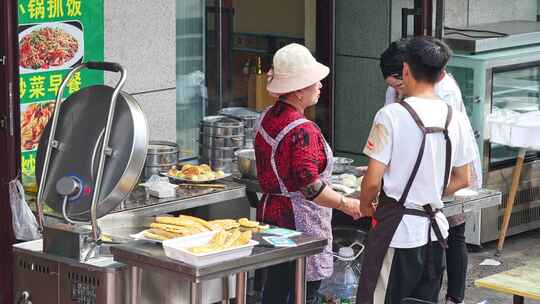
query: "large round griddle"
79, 133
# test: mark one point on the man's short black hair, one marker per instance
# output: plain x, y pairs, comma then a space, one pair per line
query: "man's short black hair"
427, 57
392, 58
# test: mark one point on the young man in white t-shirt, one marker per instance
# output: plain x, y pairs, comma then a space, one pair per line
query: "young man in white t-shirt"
447, 90
419, 149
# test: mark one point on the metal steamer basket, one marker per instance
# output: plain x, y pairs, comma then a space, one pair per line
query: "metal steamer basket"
161, 156
221, 126
229, 141
220, 137
248, 117
92, 151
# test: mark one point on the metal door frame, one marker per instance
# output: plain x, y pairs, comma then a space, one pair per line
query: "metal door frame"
325, 53
10, 156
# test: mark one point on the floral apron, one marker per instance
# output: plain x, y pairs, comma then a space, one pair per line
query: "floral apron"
309, 217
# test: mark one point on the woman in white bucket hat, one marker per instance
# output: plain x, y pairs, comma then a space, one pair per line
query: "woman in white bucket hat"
294, 166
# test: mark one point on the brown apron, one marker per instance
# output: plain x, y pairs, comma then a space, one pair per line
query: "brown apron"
390, 212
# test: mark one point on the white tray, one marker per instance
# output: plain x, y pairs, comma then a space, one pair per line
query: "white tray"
176, 249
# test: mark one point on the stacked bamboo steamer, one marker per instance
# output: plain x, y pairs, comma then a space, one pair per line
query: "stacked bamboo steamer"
220, 137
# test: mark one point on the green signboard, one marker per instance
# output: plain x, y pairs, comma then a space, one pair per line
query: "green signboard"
54, 36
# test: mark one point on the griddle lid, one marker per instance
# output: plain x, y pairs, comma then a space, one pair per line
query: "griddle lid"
79, 133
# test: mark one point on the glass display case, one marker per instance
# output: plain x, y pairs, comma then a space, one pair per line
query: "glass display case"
502, 80
498, 81
514, 88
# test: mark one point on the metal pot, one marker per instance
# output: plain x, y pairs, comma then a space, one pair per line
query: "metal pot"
213, 153
222, 142
249, 117
342, 164
249, 144
161, 156
221, 126
246, 162
249, 133
222, 131
225, 165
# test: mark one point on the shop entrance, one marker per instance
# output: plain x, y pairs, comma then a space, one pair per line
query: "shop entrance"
242, 37
225, 47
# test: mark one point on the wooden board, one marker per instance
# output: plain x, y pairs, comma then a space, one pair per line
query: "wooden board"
522, 281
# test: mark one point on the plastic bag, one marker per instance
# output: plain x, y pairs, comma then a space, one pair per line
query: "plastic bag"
159, 186
24, 222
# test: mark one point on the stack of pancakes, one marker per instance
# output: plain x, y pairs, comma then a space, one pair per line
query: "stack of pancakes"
167, 227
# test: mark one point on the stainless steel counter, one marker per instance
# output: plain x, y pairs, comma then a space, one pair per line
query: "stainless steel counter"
130, 217
483, 199
139, 207
139, 203
151, 257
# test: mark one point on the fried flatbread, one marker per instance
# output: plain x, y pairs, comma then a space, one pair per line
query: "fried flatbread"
226, 223
154, 236
181, 221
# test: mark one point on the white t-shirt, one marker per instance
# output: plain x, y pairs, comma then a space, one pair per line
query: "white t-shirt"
448, 90
395, 140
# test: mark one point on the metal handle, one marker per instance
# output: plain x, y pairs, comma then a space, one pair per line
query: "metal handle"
105, 150
24, 298
51, 143
105, 66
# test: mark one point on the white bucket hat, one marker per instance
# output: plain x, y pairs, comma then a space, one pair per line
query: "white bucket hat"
294, 68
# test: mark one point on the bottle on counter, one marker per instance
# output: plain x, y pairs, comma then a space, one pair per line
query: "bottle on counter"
259, 66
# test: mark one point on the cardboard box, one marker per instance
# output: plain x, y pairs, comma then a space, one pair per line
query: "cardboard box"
258, 97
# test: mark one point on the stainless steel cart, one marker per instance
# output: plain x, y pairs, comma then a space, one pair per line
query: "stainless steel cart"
150, 257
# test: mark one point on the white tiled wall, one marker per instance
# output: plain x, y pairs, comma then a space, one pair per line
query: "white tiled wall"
140, 35
489, 11
456, 13
160, 110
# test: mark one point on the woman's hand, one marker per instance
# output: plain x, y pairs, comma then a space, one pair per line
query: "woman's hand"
367, 209
350, 206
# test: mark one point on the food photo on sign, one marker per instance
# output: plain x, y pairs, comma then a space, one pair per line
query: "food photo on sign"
50, 46
34, 118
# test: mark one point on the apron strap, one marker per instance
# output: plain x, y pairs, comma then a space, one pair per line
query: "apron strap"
416, 166
427, 208
274, 144
425, 131
448, 160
